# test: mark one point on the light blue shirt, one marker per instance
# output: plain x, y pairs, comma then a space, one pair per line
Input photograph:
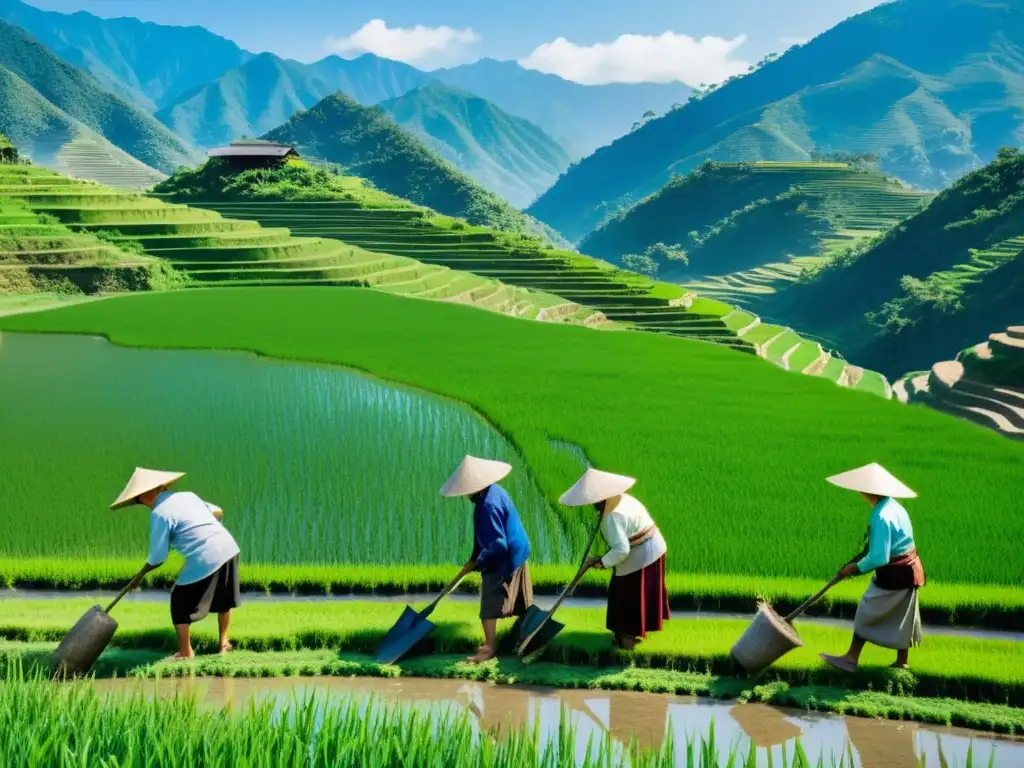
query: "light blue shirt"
890, 534
185, 522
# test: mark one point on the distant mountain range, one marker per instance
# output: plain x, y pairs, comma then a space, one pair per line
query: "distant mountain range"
46, 103
145, 63
505, 154
368, 144
932, 87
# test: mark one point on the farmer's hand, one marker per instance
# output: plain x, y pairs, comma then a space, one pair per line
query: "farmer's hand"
595, 562
848, 570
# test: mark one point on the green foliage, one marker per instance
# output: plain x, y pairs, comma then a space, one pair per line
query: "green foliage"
505, 154
368, 144
761, 468
901, 81
38, 91
943, 279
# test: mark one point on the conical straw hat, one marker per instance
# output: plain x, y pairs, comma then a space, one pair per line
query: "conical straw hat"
474, 475
596, 486
874, 479
144, 480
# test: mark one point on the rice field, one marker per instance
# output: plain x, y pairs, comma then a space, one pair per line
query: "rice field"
309, 459
731, 453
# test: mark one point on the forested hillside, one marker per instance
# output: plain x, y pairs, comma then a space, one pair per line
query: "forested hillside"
505, 154
932, 87
368, 144
939, 282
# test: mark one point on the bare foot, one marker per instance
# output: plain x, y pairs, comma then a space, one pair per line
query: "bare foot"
842, 663
225, 648
179, 656
898, 665
629, 643
484, 654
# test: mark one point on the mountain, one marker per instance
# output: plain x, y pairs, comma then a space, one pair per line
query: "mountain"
939, 282
147, 64
368, 144
581, 117
932, 87
505, 154
46, 101
267, 90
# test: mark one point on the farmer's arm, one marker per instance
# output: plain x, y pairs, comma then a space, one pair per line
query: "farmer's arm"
159, 542
879, 545
614, 529
491, 534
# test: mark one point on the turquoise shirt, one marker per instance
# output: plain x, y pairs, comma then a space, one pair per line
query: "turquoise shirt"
890, 534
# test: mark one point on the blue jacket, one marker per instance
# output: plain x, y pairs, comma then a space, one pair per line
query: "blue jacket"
499, 539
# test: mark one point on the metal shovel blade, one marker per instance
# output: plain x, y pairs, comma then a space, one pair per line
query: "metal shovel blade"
531, 620
85, 642
410, 628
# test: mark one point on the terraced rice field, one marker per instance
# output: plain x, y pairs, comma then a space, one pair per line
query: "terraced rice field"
408, 232
211, 250
92, 158
867, 205
722, 443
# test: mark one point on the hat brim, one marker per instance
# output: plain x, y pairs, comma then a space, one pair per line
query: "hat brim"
474, 476
139, 485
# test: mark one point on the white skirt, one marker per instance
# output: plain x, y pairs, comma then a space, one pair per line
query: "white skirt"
890, 618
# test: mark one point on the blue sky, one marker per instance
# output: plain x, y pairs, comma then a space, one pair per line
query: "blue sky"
579, 39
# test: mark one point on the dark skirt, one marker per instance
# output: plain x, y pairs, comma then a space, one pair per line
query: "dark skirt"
638, 602
502, 598
219, 592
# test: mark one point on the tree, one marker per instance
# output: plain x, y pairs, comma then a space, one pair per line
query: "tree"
648, 115
662, 253
641, 263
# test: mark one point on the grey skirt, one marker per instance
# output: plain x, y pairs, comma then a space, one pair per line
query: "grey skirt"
890, 618
500, 599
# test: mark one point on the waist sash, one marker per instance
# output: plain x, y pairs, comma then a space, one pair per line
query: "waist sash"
904, 571
642, 537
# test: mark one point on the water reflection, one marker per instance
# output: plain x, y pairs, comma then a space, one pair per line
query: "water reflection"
309, 462
624, 717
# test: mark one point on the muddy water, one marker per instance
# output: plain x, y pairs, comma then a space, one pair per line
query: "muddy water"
623, 716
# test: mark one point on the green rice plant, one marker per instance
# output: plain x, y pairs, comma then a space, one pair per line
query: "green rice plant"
959, 667
731, 454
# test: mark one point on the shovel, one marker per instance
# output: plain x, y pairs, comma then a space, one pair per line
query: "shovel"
769, 637
90, 636
537, 628
410, 628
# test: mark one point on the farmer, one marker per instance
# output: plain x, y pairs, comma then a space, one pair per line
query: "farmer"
500, 546
182, 520
888, 614
637, 598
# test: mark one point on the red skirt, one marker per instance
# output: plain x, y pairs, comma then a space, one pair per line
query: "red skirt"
638, 601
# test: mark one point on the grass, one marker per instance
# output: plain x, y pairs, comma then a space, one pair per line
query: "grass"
731, 453
964, 668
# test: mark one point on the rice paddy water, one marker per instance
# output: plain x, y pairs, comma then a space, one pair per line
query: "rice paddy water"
622, 717
312, 464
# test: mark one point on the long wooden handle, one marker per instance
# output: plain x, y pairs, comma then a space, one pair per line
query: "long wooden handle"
813, 598
444, 593
128, 588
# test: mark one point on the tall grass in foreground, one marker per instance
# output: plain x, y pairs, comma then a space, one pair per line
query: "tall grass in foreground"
46, 724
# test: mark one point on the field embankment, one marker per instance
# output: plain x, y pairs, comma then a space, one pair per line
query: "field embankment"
690, 656
731, 453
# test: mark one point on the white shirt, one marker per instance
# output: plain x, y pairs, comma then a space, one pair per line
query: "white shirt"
618, 526
186, 522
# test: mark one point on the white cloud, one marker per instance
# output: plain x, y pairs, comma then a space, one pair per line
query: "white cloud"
660, 58
408, 44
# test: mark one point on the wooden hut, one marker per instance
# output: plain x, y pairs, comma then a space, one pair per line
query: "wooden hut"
243, 155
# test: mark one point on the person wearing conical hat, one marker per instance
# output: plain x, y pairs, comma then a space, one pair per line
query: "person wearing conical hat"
888, 614
500, 546
184, 522
637, 597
